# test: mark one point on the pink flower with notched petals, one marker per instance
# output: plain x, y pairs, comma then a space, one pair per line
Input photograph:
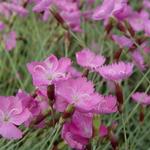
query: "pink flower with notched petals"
12, 7
106, 105
78, 92
78, 132
139, 20
10, 40
87, 58
122, 41
50, 70
109, 9
117, 71
141, 97
146, 4
30, 103
12, 114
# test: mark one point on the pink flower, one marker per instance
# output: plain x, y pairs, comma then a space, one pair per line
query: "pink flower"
60, 104
81, 124
50, 70
17, 8
78, 132
117, 71
74, 73
141, 98
138, 20
146, 4
78, 92
103, 130
12, 113
87, 58
110, 9
30, 103
10, 40
106, 105
122, 41
68, 10
138, 59
42, 5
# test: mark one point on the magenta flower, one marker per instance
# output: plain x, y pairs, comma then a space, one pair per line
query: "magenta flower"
122, 41
50, 70
87, 58
78, 92
110, 9
138, 20
12, 114
78, 132
141, 98
146, 4
138, 59
68, 10
106, 105
60, 104
30, 103
117, 71
17, 8
81, 124
10, 40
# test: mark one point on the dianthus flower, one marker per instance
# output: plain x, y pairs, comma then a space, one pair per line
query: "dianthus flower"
109, 9
106, 105
141, 98
50, 70
87, 58
68, 10
12, 114
138, 20
78, 92
117, 71
122, 41
78, 132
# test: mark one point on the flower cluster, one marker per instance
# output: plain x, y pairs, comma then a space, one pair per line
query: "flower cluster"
67, 92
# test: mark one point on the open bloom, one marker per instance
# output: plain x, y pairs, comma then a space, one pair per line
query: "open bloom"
12, 113
78, 92
50, 70
30, 103
78, 132
68, 10
122, 41
109, 9
139, 20
87, 58
106, 105
141, 98
117, 71
13, 7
